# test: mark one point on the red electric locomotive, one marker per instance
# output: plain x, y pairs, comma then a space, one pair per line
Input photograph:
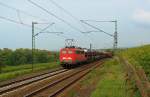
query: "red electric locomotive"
71, 56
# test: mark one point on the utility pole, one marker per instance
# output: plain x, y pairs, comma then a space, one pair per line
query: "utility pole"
115, 35
34, 36
33, 43
90, 47
0, 65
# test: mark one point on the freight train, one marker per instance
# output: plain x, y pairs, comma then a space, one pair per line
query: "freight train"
75, 56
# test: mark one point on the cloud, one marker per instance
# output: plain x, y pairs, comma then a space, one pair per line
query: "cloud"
142, 16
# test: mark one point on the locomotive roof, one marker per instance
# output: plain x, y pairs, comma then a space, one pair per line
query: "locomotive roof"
77, 48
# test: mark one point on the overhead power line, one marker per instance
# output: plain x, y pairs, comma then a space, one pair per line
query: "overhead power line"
14, 21
44, 29
19, 17
97, 28
27, 25
99, 21
56, 4
24, 24
67, 12
115, 36
50, 13
21, 11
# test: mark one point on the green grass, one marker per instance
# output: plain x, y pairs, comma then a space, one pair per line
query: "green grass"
112, 83
87, 82
9, 72
139, 57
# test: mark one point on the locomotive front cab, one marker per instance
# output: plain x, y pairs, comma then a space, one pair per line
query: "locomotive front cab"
72, 57
67, 56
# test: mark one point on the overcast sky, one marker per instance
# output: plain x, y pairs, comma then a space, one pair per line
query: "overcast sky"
133, 18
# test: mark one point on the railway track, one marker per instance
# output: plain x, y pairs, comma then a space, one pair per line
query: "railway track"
20, 83
53, 89
48, 85
6, 83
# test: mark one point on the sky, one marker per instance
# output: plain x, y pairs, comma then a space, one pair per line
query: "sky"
133, 18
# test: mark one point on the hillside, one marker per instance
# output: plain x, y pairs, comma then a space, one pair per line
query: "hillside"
139, 56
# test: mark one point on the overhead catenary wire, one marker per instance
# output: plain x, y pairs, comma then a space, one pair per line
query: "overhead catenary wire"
21, 11
100, 30
60, 7
17, 22
44, 29
14, 21
100, 21
67, 12
70, 14
47, 27
75, 18
65, 37
61, 35
52, 14
19, 17
24, 24
115, 33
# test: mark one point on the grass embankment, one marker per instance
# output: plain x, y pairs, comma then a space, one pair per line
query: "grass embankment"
106, 81
112, 83
9, 72
139, 57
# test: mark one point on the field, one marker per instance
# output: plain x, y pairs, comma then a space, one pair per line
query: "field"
139, 56
9, 72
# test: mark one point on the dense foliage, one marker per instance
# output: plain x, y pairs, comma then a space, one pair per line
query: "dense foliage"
24, 56
140, 56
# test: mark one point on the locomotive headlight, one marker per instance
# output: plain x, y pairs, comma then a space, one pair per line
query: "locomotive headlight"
69, 58
64, 58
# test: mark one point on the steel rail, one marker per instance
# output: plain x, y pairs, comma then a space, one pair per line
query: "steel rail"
20, 83
59, 81
69, 84
16, 81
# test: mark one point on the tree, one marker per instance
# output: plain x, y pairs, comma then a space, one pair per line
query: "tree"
19, 57
6, 55
41, 56
1, 64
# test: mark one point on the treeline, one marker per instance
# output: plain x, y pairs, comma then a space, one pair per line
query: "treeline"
24, 56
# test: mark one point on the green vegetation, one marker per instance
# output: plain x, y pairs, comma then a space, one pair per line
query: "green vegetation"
24, 56
112, 83
17, 62
105, 81
87, 84
9, 72
138, 56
